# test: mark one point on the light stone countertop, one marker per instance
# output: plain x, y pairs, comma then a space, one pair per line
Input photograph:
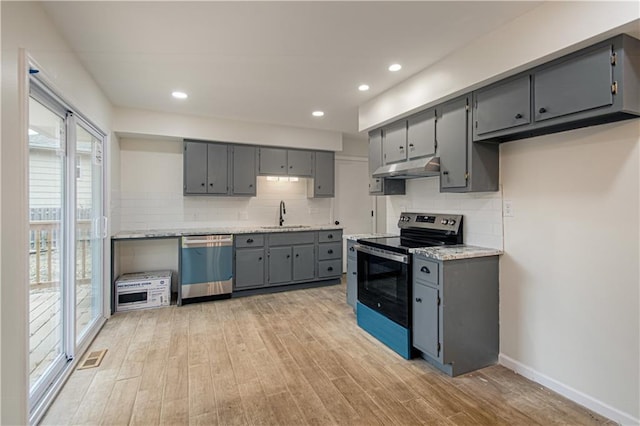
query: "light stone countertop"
169, 233
355, 237
456, 252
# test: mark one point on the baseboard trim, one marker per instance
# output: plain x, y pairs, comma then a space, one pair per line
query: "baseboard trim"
568, 392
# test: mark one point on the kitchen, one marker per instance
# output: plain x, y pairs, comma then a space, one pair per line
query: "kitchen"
556, 302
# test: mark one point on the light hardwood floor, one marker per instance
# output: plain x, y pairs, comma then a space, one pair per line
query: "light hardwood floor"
288, 359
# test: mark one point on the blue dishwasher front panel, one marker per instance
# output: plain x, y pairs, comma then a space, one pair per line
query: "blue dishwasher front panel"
207, 266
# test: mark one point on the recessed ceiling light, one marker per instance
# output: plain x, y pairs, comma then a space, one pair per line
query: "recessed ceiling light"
395, 67
363, 87
179, 95
317, 113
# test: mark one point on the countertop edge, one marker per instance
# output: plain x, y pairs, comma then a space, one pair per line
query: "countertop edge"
177, 233
456, 252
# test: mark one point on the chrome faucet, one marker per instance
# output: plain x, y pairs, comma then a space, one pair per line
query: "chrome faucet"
282, 211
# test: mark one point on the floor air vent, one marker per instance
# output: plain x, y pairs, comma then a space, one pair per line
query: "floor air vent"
92, 360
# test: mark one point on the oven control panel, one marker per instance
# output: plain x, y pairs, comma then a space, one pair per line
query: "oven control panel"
443, 222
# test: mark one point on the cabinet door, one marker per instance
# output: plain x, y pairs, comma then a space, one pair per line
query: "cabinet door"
244, 170
425, 319
451, 133
273, 161
195, 168
394, 142
375, 160
352, 274
299, 163
304, 263
217, 163
324, 180
577, 84
279, 265
421, 134
502, 106
249, 268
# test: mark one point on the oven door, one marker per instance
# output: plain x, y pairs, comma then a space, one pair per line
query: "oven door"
383, 282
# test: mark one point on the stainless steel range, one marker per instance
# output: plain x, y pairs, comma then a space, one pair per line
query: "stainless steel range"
384, 275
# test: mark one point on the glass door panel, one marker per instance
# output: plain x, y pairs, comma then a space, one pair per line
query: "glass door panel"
88, 244
46, 244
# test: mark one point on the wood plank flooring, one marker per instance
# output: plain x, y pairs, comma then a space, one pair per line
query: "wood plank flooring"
291, 358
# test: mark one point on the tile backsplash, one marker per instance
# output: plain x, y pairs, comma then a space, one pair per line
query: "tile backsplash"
482, 211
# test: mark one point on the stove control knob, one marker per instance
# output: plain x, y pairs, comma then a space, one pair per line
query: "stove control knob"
452, 221
444, 221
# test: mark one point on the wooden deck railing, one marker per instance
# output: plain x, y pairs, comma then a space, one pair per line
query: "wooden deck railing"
44, 251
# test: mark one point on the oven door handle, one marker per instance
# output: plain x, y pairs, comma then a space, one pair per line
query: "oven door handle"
402, 258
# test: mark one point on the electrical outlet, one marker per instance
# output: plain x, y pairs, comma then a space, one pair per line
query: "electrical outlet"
507, 208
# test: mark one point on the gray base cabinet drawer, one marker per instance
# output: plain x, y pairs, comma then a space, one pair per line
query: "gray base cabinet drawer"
249, 240
425, 270
330, 251
330, 236
329, 268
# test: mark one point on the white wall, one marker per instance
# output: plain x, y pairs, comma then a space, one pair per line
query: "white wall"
482, 211
543, 33
569, 280
151, 195
148, 123
25, 25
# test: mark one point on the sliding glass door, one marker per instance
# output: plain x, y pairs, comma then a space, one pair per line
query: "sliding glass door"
66, 236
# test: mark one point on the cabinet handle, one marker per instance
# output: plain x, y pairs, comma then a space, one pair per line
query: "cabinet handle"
401, 147
425, 270
210, 184
518, 116
542, 110
250, 185
282, 167
445, 172
330, 268
319, 186
419, 300
354, 273
297, 255
202, 184
352, 249
330, 251
288, 256
249, 240
291, 167
410, 145
260, 259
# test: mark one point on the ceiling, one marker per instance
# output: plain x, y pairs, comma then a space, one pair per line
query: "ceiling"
269, 62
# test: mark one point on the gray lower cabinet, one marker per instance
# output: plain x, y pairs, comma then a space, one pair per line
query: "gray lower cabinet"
280, 265
455, 312
304, 263
244, 170
381, 186
465, 166
249, 268
352, 274
249, 261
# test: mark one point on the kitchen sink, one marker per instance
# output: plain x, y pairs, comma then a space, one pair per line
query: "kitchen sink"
286, 227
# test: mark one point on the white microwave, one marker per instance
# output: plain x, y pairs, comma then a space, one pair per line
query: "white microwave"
143, 290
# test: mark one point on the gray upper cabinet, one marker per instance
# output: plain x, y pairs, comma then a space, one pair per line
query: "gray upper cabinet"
465, 166
576, 84
244, 170
377, 185
502, 106
299, 163
323, 184
283, 162
272, 161
421, 134
205, 168
452, 143
394, 142
595, 85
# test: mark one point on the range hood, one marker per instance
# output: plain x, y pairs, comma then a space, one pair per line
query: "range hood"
422, 167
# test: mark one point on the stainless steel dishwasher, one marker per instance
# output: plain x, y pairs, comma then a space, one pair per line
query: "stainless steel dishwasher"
206, 267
